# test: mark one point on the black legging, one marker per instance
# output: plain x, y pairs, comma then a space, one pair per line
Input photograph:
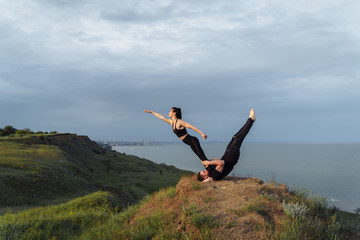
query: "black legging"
194, 143
232, 152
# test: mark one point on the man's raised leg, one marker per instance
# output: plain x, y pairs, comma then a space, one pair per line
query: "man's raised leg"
232, 152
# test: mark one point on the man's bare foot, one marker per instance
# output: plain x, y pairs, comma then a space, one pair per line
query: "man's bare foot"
252, 115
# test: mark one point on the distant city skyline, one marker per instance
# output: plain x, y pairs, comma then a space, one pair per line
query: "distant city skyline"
92, 67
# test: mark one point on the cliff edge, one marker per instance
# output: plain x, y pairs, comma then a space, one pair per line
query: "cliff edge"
235, 208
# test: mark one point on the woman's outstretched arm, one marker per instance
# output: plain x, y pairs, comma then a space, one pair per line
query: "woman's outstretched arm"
188, 125
158, 115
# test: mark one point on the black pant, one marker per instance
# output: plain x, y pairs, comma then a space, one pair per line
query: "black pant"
194, 143
232, 152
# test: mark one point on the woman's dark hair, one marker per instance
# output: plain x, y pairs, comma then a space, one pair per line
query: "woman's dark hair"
177, 112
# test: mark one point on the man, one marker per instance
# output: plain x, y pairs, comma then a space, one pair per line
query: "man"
217, 169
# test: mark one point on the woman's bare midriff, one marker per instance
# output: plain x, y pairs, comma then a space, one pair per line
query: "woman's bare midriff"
183, 137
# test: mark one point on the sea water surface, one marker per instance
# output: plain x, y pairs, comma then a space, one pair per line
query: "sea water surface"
328, 170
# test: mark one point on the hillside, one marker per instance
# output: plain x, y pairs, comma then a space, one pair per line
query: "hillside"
65, 186
236, 208
47, 169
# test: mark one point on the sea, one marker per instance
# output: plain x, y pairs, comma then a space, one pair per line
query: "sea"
325, 170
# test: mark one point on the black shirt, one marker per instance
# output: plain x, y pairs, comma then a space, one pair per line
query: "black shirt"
178, 132
215, 174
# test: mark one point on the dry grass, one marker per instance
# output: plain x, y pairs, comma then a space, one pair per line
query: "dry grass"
236, 208
232, 209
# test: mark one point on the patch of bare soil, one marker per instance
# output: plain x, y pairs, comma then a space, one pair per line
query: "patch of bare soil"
243, 208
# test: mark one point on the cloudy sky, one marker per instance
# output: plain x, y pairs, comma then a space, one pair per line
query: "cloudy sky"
92, 67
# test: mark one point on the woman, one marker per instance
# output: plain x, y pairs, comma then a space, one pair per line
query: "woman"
179, 127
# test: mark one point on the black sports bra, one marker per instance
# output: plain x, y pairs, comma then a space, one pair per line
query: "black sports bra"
179, 132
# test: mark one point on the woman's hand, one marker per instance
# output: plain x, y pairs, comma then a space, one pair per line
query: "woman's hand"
148, 111
206, 163
204, 136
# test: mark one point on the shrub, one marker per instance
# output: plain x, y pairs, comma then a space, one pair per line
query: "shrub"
269, 197
300, 193
357, 211
20, 132
317, 205
328, 230
295, 210
9, 130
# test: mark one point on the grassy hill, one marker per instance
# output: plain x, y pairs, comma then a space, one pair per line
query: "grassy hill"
65, 186
47, 169
236, 208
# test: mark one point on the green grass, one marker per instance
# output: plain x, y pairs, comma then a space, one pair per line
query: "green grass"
40, 174
350, 223
189, 210
317, 205
208, 199
299, 229
259, 205
205, 223
23, 136
38, 170
321, 222
59, 221
19, 156
30, 172
202, 221
196, 186
125, 225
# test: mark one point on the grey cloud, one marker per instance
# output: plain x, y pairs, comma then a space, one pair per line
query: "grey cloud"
101, 63
137, 15
63, 3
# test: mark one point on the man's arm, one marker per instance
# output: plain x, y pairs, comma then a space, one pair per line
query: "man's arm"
209, 179
219, 164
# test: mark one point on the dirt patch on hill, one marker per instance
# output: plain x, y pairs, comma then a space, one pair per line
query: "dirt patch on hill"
241, 205
239, 208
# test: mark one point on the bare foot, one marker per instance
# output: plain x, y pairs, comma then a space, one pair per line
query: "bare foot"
252, 115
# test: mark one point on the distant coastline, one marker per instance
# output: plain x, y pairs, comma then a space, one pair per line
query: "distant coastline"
133, 143
160, 143
143, 143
